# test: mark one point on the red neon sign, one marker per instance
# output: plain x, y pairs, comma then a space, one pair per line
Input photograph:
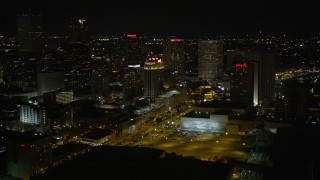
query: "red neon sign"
22, 145
241, 65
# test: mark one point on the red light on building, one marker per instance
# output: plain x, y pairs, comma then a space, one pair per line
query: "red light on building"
130, 35
22, 145
176, 40
241, 65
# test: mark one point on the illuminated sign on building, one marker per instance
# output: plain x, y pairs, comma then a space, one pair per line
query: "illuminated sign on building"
176, 40
241, 65
134, 66
153, 59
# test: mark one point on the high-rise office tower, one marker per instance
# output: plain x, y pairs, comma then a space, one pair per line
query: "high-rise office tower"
132, 82
210, 63
295, 102
29, 31
174, 55
1, 75
266, 74
79, 30
191, 50
100, 81
77, 66
266, 70
134, 50
244, 82
152, 75
49, 81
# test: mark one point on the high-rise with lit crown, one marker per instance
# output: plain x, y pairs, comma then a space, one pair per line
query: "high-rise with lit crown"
152, 72
210, 63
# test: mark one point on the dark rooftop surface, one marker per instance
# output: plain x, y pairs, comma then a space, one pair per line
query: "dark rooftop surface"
105, 162
222, 104
68, 149
97, 134
29, 136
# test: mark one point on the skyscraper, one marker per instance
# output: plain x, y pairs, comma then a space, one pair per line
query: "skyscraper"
132, 82
77, 66
244, 83
266, 74
210, 63
79, 30
100, 81
29, 31
134, 50
152, 72
266, 71
174, 55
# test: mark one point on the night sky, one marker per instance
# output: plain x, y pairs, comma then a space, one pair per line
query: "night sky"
175, 17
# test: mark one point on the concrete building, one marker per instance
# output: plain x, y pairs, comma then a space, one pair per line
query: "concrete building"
200, 121
64, 97
49, 82
28, 154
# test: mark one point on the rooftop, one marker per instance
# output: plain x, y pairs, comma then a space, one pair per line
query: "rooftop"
97, 134
112, 162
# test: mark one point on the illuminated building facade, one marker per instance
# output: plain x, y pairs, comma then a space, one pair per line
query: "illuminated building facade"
210, 63
29, 31
32, 113
152, 76
174, 55
64, 97
49, 81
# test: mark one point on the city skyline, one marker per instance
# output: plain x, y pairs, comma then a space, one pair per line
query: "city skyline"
189, 19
